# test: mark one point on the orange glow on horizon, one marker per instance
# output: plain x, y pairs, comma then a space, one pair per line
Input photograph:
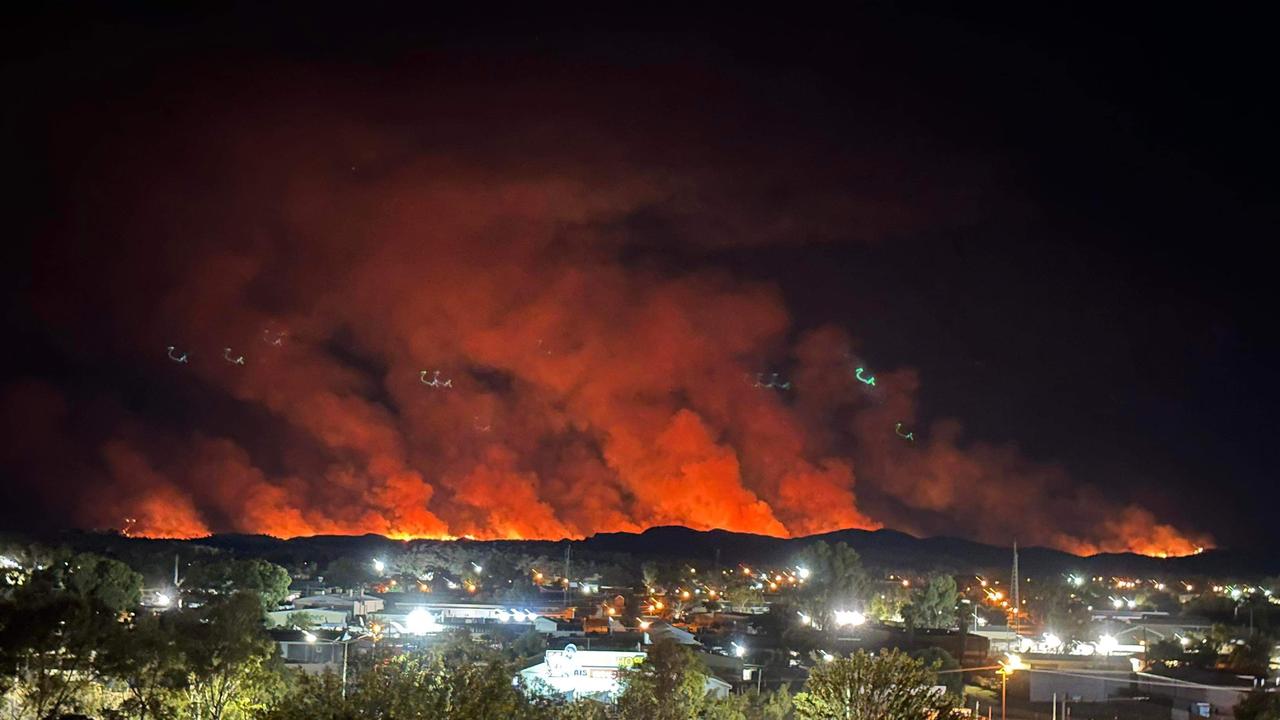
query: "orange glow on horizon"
177, 528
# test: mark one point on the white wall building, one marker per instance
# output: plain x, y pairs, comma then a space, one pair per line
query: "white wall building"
355, 605
572, 673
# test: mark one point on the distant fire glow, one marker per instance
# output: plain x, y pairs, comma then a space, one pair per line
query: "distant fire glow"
455, 341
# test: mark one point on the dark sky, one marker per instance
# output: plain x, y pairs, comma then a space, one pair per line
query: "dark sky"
1054, 221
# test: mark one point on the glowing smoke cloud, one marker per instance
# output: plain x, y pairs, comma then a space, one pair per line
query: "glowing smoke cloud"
451, 245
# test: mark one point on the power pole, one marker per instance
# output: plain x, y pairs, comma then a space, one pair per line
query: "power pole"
568, 550
1017, 604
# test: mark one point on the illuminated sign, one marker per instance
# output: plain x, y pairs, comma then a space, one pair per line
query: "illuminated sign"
574, 663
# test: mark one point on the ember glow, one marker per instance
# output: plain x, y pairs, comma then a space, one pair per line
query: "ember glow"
309, 264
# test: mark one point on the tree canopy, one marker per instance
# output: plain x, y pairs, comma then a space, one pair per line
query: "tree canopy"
837, 581
932, 606
888, 686
669, 685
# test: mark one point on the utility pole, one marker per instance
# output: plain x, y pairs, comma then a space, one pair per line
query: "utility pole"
345, 645
568, 550
1017, 604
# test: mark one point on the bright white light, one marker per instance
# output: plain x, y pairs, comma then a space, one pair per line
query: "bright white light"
803, 572
738, 650
1131, 604
420, 622
1052, 640
849, 618
503, 616
804, 619
1184, 640
827, 657
309, 637
163, 600
9, 563
478, 567
1077, 580
1107, 644
1012, 662
1117, 602
379, 566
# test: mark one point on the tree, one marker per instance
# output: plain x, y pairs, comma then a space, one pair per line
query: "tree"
1166, 652
777, 705
233, 667
935, 658
886, 605
890, 686
146, 660
740, 593
733, 707
417, 687
581, 710
768, 705
530, 644
1062, 610
836, 581
53, 620
1258, 705
649, 574
933, 606
1252, 657
225, 576
669, 685
349, 573
106, 582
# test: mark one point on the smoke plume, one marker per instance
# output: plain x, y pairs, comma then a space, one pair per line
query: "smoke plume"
484, 312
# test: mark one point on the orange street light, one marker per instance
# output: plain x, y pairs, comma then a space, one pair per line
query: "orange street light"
1013, 662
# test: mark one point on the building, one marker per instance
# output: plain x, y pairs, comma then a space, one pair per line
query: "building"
1078, 685
354, 605
659, 631
317, 651
591, 674
310, 617
1153, 629
1214, 699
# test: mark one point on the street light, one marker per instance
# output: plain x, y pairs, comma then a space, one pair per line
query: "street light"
1107, 644
311, 638
849, 618
1012, 663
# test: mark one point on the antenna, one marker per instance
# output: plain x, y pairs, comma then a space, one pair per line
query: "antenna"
1017, 603
568, 550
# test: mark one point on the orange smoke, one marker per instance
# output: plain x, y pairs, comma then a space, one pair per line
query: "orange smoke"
592, 388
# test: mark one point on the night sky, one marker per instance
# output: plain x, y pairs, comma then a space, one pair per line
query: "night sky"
1044, 233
